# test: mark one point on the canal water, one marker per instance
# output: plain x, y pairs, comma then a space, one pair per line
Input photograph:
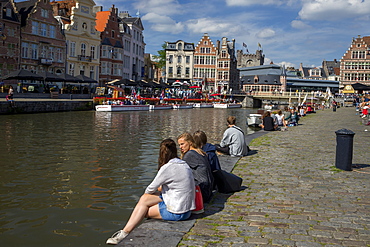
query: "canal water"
73, 178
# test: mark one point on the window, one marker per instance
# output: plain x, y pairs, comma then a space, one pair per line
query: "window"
92, 51
170, 59
103, 68
24, 52
223, 54
178, 71
34, 51
220, 64
179, 46
187, 59
83, 49
92, 72
44, 51
52, 31
113, 36
43, 29
8, 12
59, 55
44, 13
226, 64
187, 71
35, 27
84, 26
179, 60
72, 49
104, 51
71, 70
51, 53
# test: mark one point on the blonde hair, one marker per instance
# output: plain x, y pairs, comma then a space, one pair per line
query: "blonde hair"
189, 138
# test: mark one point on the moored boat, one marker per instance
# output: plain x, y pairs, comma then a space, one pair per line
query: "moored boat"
160, 107
115, 108
254, 119
227, 105
203, 105
182, 106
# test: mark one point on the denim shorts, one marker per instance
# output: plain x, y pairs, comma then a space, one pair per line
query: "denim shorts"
171, 216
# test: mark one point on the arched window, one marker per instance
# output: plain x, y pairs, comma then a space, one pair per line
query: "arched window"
179, 46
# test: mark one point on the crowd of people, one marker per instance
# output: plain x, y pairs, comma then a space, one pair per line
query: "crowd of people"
171, 194
280, 119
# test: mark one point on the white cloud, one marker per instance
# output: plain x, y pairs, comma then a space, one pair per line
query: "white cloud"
334, 9
286, 64
299, 24
160, 7
254, 2
163, 23
266, 33
213, 26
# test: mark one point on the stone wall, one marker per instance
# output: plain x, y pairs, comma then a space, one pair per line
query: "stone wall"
44, 106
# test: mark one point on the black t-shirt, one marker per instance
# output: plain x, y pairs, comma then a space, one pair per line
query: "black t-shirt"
268, 123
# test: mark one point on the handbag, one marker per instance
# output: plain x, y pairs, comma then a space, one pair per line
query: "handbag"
199, 207
227, 182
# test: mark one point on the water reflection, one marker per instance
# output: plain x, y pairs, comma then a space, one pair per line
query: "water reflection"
74, 177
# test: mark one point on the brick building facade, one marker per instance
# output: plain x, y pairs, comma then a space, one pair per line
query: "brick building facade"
355, 63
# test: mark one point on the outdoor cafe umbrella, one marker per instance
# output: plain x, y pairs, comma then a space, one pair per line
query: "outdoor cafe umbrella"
68, 78
85, 79
194, 87
47, 76
22, 74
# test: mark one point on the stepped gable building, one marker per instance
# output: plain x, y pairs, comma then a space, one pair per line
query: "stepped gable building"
205, 58
10, 38
355, 63
227, 78
77, 18
43, 44
111, 48
249, 60
131, 29
179, 62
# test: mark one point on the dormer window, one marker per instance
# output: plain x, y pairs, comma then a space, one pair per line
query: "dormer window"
179, 46
315, 72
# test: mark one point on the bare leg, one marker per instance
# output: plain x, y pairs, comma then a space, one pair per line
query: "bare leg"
146, 207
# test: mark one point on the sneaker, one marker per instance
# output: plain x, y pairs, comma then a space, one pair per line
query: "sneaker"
198, 211
117, 237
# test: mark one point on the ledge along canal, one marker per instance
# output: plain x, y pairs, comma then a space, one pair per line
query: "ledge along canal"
73, 178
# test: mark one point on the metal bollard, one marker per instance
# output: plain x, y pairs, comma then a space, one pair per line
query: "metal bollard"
344, 151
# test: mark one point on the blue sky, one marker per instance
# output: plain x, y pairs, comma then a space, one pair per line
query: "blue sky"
290, 31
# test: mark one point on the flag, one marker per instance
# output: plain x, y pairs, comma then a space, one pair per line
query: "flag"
259, 45
245, 45
247, 51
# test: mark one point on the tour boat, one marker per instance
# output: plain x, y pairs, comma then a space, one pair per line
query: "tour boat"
160, 107
203, 105
227, 105
182, 106
254, 119
122, 108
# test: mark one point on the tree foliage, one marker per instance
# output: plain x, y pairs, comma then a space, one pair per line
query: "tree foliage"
161, 57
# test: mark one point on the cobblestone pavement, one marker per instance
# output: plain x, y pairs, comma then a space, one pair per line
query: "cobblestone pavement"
294, 195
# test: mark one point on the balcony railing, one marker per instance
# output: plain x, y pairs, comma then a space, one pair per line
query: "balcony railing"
84, 58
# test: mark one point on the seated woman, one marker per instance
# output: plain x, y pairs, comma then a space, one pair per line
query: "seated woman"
280, 118
198, 162
268, 123
170, 196
292, 118
200, 139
